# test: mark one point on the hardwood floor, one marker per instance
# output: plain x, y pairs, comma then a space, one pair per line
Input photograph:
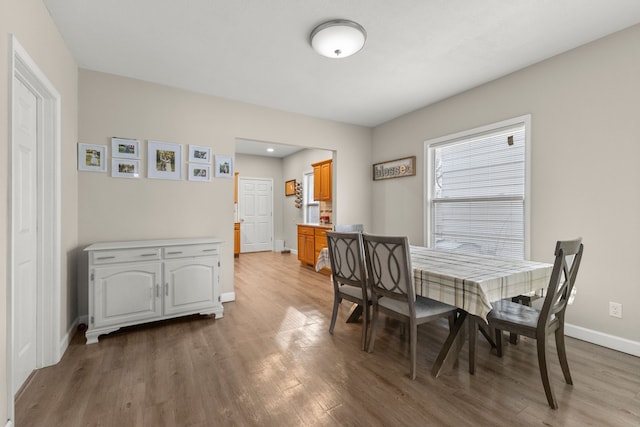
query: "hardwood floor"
271, 362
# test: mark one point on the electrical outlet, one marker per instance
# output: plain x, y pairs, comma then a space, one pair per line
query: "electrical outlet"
615, 309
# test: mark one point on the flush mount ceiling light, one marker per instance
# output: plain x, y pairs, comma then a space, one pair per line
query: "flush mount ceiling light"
338, 38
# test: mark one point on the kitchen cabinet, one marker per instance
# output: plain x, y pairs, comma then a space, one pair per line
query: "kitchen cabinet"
311, 240
235, 187
141, 281
236, 225
320, 241
236, 239
306, 244
322, 172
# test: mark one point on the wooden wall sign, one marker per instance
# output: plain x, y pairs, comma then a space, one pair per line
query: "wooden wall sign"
394, 168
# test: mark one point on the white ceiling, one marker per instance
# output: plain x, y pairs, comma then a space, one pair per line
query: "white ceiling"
417, 51
259, 148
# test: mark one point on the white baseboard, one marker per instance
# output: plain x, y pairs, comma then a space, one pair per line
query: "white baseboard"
66, 339
228, 297
605, 340
83, 319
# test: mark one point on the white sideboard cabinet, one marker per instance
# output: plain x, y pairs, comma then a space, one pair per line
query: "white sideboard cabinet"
147, 280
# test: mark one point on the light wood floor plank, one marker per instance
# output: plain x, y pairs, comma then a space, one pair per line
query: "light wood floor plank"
272, 362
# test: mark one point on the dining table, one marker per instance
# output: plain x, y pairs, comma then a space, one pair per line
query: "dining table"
470, 282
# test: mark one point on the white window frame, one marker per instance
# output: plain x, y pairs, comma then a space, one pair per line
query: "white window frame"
307, 196
447, 139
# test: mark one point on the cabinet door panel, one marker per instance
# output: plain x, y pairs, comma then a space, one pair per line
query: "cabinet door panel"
189, 285
325, 182
126, 295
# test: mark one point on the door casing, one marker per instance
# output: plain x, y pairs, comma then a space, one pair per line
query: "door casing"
49, 345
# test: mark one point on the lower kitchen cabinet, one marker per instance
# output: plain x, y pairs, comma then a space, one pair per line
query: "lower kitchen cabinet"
311, 240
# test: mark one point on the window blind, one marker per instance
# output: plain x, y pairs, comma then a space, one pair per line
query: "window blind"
478, 194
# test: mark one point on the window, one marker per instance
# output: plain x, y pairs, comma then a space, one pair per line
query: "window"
477, 191
310, 206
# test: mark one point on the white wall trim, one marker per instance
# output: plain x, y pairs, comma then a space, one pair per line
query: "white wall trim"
605, 340
68, 336
24, 68
228, 297
84, 319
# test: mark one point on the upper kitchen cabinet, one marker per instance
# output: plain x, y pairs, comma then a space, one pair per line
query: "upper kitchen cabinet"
322, 180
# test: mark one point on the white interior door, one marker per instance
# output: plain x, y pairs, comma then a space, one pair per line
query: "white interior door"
24, 223
256, 214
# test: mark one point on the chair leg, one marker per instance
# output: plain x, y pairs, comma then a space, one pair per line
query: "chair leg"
562, 355
473, 335
365, 323
498, 333
544, 371
334, 315
374, 327
413, 338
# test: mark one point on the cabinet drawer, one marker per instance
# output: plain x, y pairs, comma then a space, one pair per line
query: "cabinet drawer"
190, 251
124, 255
307, 231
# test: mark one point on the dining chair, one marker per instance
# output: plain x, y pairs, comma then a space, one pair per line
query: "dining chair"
538, 323
349, 276
391, 282
349, 228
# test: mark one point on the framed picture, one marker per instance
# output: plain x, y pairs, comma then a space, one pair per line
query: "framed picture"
199, 154
92, 157
165, 160
224, 167
394, 168
125, 168
199, 172
290, 188
125, 148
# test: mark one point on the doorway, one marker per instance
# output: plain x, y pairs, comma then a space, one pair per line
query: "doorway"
255, 209
33, 303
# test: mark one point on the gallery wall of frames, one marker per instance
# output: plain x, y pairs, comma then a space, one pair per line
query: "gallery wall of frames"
164, 160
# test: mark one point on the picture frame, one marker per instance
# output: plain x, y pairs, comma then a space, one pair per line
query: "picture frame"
125, 168
164, 160
290, 187
394, 168
125, 148
92, 158
199, 154
199, 172
223, 166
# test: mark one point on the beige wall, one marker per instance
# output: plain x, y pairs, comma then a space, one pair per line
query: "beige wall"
114, 209
30, 22
585, 106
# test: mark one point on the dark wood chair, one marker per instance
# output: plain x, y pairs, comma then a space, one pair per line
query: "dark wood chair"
349, 276
393, 292
537, 324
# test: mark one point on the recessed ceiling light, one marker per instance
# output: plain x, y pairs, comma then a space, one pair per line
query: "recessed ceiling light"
270, 150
